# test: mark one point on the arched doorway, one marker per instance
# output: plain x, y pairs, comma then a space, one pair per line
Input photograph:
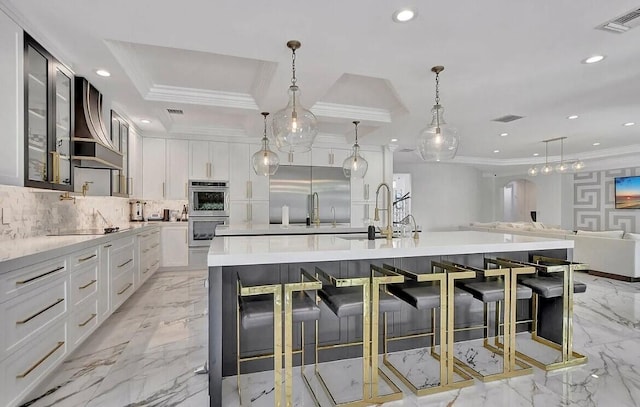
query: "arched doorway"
519, 203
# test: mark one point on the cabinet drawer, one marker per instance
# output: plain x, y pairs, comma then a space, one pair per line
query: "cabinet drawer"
83, 258
30, 313
30, 364
84, 283
83, 321
31, 277
121, 289
121, 260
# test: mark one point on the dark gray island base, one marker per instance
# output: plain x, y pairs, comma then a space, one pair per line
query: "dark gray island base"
278, 259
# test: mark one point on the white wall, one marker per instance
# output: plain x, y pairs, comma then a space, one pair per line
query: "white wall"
444, 196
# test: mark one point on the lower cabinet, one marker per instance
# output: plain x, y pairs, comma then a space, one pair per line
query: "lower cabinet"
175, 245
48, 309
243, 212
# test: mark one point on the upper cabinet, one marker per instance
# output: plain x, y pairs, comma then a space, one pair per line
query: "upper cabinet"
11, 102
48, 119
209, 160
329, 157
121, 182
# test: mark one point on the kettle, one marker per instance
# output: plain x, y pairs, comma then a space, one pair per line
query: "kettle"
136, 211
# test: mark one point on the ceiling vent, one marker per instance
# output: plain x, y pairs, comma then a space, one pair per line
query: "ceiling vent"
175, 111
623, 23
508, 118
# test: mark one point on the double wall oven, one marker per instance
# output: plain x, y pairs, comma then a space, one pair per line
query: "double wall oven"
208, 208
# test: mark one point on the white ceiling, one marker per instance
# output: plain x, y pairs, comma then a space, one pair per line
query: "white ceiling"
225, 61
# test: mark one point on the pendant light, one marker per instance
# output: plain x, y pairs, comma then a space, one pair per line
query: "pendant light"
265, 162
438, 141
355, 166
294, 127
562, 167
547, 169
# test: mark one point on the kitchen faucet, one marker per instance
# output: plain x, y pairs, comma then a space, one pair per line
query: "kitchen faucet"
405, 221
315, 204
333, 211
388, 231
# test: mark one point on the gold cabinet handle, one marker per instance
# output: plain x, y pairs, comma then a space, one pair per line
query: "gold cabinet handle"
147, 269
55, 161
125, 289
87, 321
163, 190
156, 262
107, 246
24, 321
88, 284
155, 245
86, 258
125, 263
21, 282
38, 363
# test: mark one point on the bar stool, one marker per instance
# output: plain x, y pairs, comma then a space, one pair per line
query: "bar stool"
426, 291
261, 306
361, 296
498, 286
548, 285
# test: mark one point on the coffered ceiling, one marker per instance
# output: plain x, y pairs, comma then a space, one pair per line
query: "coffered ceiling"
223, 62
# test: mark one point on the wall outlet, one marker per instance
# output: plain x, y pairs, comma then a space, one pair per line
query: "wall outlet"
6, 216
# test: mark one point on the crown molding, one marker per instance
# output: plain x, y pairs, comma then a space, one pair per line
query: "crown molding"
176, 94
350, 112
123, 54
122, 113
207, 131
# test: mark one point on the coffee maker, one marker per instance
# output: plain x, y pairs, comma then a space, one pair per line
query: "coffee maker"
136, 211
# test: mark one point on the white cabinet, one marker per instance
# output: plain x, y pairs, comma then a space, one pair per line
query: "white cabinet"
329, 157
243, 212
294, 158
362, 214
177, 169
245, 184
175, 245
153, 170
11, 102
364, 189
135, 166
209, 160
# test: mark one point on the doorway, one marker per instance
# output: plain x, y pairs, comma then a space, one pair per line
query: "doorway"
519, 201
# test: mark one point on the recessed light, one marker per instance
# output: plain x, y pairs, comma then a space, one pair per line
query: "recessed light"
595, 376
593, 59
394, 140
145, 121
629, 124
496, 151
504, 134
536, 154
103, 72
572, 117
404, 15
596, 144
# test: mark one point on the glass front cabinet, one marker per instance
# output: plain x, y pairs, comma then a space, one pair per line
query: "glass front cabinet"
48, 119
120, 180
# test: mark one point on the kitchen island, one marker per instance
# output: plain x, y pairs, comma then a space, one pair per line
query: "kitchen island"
272, 257
263, 229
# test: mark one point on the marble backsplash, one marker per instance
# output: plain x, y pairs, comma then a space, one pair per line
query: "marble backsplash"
30, 212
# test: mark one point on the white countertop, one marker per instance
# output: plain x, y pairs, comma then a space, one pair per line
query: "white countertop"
247, 250
18, 253
291, 229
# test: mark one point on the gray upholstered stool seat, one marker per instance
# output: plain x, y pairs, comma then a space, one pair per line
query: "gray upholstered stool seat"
424, 295
493, 290
347, 301
257, 311
551, 287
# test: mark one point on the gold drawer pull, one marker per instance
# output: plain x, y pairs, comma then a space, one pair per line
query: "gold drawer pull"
156, 262
144, 235
145, 272
38, 363
107, 246
155, 245
145, 250
88, 284
40, 276
86, 258
125, 263
87, 321
125, 289
24, 321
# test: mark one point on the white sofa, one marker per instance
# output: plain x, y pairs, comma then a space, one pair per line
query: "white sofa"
615, 256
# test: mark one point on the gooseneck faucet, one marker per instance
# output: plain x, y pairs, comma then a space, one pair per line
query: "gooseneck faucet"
388, 231
405, 221
315, 204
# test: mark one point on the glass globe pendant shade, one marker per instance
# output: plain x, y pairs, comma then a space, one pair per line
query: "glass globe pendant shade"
546, 170
577, 166
265, 162
355, 166
294, 127
562, 167
438, 141
532, 171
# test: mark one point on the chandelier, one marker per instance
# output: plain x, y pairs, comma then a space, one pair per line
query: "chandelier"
562, 167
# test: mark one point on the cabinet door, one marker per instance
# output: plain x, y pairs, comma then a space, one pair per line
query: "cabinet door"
239, 212
259, 183
240, 165
37, 104
364, 190
63, 126
135, 180
153, 168
198, 159
175, 248
219, 159
177, 169
328, 157
294, 158
11, 102
362, 214
260, 212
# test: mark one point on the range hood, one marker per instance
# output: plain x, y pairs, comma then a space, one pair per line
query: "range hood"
91, 142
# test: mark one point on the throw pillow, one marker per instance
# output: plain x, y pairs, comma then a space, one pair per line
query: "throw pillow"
616, 234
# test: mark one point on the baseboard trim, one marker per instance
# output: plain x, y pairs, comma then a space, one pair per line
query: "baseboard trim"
614, 276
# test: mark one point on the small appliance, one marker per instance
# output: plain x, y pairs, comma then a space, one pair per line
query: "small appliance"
136, 211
